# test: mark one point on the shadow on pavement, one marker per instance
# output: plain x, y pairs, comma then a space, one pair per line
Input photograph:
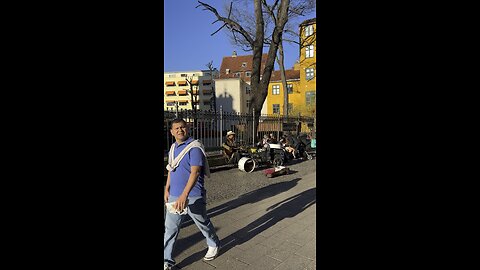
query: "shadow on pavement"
287, 208
222, 168
247, 198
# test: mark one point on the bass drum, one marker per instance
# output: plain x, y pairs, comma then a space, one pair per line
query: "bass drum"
246, 164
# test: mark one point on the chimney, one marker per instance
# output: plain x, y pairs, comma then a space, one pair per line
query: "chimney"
227, 71
234, 54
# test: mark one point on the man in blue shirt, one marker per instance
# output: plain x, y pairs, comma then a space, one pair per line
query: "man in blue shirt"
185, 187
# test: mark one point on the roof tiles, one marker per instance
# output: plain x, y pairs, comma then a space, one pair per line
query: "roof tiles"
240, 63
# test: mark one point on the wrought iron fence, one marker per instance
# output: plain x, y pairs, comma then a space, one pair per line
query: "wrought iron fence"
211, 127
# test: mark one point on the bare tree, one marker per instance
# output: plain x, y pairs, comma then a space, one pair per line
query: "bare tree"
255, 40
194, 101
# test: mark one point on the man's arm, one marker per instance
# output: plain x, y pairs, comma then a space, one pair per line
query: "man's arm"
167, 188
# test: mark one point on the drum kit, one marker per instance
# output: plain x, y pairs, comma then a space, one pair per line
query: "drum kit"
272, 155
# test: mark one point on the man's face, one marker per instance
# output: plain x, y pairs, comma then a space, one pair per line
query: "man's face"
231, 137
179, 131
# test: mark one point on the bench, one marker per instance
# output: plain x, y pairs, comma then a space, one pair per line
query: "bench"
215, 159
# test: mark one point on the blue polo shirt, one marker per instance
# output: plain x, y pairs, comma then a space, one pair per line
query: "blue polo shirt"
179, 176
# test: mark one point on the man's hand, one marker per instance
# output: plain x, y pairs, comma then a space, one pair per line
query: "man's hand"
181, 203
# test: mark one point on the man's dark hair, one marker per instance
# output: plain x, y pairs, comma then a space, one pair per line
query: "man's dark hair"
177, 120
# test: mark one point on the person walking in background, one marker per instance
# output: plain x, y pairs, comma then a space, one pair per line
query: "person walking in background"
187, 168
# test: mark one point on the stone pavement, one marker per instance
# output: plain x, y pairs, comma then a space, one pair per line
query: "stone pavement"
263, 229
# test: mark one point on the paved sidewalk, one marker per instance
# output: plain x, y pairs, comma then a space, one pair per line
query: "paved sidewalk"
270, 228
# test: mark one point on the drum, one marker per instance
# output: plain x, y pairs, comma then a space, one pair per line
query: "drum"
246, 164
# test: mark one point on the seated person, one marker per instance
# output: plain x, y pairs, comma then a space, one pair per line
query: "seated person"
313, 143
272, 139
230, 148
289, 145
283, 140
265, 141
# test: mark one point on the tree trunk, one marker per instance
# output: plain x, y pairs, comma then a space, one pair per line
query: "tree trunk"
260, 87
280, 61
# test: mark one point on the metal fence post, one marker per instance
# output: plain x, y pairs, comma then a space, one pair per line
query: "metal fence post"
221, 125
253, 126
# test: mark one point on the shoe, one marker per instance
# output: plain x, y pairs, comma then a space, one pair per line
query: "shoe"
166, 267
211, 253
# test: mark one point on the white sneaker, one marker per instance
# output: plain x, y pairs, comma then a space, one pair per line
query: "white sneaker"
211, 253
166, 267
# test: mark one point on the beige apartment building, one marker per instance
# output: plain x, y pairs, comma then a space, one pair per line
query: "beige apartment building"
177, 92
232, 87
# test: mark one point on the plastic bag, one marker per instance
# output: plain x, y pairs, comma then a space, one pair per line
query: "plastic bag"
172, 210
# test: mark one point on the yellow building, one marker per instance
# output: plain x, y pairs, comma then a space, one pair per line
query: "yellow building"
276, 93
303, 79
307, 65
176, 90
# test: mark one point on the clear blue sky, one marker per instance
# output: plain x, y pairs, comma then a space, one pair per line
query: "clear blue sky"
188, 41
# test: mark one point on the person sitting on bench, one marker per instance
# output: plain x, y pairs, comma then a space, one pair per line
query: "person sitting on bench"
230, 148
288, 144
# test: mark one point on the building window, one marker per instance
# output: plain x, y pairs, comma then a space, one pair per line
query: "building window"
310, 98
276, 89
182, 103
248, 74
170, 103
244, 64
248, 89
308, 30
237, 74
290, 88
309, 51
276, 108
171, 75
248, 103
183, 75
309, 73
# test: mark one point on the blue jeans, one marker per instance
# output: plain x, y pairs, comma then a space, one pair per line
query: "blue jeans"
197, 210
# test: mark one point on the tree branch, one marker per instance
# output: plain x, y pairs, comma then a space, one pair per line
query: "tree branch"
230, 23
218, 29
270, 10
